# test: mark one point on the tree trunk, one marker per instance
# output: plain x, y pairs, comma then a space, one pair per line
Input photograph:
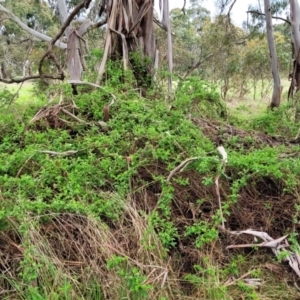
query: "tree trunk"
295, 21
130, 30
166, 23
275, 102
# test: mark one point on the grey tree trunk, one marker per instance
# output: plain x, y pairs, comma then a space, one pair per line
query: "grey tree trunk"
295, 22
275, 101
166, 23
130, 25
295, 80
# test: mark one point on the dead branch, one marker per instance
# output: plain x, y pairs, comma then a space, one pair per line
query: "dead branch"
181, 166
222, 168
72, 115
236, 280
276, 245
65, 153
26, 161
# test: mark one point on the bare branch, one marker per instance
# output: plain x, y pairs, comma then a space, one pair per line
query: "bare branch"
183, 8
230, 8
37, 34
198, 64
256, 12
181, 166
19, 80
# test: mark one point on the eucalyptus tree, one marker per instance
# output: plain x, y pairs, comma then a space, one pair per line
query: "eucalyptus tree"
295, 23
223, 43
275, 101
129, 31
293, 20
186, 28
18, 32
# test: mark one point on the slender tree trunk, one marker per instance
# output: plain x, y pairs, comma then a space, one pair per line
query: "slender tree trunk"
63, 13
166, 21
275, 102
254, 90
295, 82
295, 20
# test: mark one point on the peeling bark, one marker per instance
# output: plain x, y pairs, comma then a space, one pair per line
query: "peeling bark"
130, 30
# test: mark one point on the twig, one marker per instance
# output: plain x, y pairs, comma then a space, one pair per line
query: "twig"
223, 165
95, 85
65, 153
27, 160
219, 199
15, 94
181, 166
256, 12
72, 115
236, 280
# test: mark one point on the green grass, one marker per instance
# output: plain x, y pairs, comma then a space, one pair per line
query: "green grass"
25, 94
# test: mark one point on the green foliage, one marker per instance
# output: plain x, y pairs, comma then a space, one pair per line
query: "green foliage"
5, 97
199, 98
140, 64
204, 232
134, 280
279, 121
249, 291
207, 277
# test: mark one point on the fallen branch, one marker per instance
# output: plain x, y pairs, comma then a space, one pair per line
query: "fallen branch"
26, 161
255, 282
72, 115
181, 166
65, 153
276, 245
222, 151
